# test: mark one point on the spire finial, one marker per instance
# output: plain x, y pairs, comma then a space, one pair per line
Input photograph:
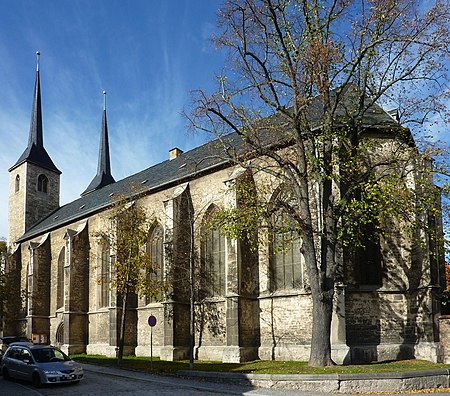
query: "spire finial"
38, 54
104, 100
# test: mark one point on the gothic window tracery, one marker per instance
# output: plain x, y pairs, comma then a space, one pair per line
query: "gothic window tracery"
60, 279
213, 257
155, 250
105, 277
286, 259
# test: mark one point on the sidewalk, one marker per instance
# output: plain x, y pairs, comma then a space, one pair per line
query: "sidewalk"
287, 385
219, 388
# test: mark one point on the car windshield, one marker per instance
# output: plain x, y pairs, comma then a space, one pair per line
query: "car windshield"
45, 355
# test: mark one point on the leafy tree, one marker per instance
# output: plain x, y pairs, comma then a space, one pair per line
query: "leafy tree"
307, 77
132, 266
11, 296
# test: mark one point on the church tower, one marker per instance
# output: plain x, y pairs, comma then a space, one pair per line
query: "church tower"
103, 176
34, 180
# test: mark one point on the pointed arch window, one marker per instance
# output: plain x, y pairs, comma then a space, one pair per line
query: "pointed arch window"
42, 183
365, 255
29, 287
60, 279
155, 250
60, 334
105, 277
213, 256
17, 184
367, 258
286, 260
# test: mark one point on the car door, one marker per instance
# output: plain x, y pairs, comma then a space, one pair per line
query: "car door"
26, 364
20, 365
11, 361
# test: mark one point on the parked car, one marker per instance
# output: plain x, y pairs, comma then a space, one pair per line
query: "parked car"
7, 341
40, 364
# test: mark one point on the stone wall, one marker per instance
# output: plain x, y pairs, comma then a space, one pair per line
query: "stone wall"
285, 323
383, 325
444, 332
387, 321
27, 205
143, 336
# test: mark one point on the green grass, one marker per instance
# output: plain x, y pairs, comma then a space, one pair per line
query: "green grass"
257, 366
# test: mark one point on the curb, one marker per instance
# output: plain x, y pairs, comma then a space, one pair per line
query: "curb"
404, 381
337, 383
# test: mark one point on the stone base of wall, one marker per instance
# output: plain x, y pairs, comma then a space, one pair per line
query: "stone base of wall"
339, 353
107, 350
214, 353
285, 352
372, 353
444, 337
235, 354
431, 351
230, 354
144, 350
343, 354
174, 353
73, 349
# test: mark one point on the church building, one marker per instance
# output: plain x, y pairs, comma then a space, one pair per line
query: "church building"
63, 274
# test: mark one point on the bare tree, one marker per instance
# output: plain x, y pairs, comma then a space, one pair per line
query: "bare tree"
309, 75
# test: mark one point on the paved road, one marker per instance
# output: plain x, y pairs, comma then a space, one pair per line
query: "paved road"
101, 384
111, 382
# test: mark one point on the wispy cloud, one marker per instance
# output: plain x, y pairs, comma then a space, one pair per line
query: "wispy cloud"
147, 55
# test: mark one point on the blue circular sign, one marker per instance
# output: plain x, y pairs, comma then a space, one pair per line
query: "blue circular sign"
151, 321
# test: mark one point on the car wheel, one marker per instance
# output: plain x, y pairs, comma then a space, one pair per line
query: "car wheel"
36, 380
6, 375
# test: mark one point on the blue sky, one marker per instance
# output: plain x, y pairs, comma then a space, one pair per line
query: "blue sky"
147, 54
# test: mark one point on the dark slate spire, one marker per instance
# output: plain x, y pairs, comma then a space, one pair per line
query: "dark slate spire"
35, 152
103, 176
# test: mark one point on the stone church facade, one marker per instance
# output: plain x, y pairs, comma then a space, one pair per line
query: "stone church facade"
65, 273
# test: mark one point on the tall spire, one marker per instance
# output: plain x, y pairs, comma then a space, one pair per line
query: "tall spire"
36, 113
35, 151
103, 176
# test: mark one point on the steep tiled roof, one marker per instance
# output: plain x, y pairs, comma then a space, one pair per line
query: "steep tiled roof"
157, 177
191, 164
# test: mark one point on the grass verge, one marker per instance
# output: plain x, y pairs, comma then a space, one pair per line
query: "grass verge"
257, 366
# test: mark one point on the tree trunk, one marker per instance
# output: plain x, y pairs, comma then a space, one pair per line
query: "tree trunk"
321, 257
320, 263
122, 328
321, 331
191, 295
323, 292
